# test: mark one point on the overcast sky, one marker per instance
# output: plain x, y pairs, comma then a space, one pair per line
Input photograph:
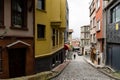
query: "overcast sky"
78, 15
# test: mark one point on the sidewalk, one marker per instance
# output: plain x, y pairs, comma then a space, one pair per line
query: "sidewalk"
47, 75
57, 70
86, 58
104, 69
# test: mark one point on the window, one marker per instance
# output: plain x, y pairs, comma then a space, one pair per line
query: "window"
41, 4
86, 42
94, 22
87, 35
60, 37
94, 38
98, 25
40, 31
56, 37
98, 4
91, 38
86, 28
53, 37
91, 24
19, 14
115, 14
1, 12
0, 59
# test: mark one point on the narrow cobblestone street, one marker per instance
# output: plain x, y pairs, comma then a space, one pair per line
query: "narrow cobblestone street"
78, 69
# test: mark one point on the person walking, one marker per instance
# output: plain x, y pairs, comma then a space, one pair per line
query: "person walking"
74, 56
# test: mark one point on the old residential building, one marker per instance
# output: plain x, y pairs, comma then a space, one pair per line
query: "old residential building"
93, 22
96, 28
70, 35
99, 30
112, 23
66, 36
85, 39
50, 25
75, 42
16, 38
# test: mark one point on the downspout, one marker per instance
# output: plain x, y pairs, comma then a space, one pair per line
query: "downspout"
34, 31
105, 36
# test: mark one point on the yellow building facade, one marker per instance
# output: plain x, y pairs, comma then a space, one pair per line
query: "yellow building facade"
50, 24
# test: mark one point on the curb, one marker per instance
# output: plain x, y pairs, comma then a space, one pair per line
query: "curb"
109, 75
57, 73
92, 64
100, 67
38, 76
47, 75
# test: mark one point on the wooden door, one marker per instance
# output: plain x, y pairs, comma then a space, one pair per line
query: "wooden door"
17, 60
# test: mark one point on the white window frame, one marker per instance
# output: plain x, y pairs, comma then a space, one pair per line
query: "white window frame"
115, 17
98, 25
97, 4
41, 4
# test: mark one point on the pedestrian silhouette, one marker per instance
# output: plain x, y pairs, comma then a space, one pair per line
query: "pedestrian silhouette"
74, 56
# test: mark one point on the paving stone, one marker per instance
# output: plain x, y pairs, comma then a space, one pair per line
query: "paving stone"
78, 69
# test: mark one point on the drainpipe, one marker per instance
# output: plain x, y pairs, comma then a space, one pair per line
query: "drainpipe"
105, 36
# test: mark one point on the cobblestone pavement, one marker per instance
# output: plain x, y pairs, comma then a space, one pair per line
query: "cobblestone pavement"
78, 69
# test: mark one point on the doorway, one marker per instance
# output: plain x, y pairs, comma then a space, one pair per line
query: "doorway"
17, 61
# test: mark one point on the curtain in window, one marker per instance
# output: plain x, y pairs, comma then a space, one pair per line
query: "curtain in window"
19, 13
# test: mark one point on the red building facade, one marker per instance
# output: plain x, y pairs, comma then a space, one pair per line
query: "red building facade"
99, 25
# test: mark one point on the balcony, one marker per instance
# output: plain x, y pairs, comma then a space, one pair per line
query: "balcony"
56, 24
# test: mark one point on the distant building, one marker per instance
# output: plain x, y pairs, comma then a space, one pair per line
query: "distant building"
85, 39
75, 43
70, 35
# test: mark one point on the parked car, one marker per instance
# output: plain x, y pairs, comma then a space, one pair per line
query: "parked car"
76, 49
79, 53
